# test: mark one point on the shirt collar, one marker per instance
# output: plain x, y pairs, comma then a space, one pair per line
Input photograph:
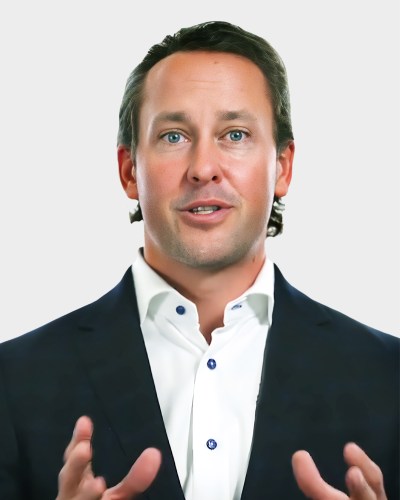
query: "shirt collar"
259, 295
149, 284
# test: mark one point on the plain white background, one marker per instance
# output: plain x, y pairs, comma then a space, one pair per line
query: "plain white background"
65, 233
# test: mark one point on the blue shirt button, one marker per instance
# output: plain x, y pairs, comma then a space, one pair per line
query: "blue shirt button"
211, 444
180, 310
212, 364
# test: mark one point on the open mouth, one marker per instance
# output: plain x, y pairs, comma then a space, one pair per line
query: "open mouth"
205, 210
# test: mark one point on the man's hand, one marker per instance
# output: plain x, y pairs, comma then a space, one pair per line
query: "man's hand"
77, 482
364, 478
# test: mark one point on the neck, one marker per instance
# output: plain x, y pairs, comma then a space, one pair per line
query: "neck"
209, 289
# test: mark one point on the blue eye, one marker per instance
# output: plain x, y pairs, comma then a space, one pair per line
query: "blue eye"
173, 137
236, 135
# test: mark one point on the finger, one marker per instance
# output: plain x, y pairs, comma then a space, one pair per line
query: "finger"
92, 488
372, 474
310, 481
358, 486
75, 470
139, 478
82, 432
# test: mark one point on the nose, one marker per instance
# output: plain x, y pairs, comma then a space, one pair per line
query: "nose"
204, 164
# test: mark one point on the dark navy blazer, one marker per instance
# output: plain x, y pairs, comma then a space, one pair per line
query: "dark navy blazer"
327, 380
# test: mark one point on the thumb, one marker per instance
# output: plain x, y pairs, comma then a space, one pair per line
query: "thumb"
138, 479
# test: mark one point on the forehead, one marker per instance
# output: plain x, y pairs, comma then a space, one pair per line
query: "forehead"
209, 76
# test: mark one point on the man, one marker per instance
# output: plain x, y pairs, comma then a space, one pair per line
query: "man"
204, 368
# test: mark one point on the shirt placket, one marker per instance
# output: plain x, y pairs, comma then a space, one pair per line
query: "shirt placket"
210, 461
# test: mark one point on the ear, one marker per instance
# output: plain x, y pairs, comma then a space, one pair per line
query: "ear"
127, 172
284, 170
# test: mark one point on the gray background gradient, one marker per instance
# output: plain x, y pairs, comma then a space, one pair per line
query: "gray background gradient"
65, 233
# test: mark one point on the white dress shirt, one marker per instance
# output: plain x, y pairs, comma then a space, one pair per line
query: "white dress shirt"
207, 393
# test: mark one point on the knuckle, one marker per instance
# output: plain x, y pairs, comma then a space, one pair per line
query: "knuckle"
376, 478
68, 450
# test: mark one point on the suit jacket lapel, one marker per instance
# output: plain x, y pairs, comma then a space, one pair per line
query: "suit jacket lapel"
110, 343
280, 415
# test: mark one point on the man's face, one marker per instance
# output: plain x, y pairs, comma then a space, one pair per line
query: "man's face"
206, 166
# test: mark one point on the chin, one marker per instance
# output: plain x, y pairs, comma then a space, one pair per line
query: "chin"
211, 257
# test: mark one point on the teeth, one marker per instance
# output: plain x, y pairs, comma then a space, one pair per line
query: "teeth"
205, 210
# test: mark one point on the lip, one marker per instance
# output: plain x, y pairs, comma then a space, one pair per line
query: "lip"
200, 220
206, 203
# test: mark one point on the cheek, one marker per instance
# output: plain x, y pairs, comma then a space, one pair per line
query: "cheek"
256, 182
154, 185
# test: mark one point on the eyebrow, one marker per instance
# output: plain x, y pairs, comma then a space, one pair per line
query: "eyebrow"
182, 117
173, 116
235, 115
